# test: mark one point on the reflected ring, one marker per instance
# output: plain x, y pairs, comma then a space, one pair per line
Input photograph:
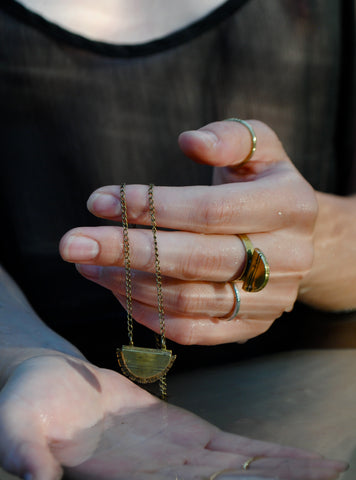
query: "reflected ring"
246, 465
217, 474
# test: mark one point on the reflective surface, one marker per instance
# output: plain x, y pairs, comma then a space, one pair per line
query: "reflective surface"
304, 399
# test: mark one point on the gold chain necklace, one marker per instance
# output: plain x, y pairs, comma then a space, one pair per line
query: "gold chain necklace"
141, 364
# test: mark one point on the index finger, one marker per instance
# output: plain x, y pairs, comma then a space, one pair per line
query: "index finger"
226, 209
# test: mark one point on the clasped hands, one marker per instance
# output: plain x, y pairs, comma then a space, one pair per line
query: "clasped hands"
200, 252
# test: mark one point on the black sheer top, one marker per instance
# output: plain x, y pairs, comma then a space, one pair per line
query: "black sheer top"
78, 114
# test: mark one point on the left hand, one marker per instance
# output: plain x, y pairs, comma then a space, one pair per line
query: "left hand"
266, 198
61, 411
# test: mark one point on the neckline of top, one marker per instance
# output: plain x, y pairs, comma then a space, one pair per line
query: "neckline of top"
151, 47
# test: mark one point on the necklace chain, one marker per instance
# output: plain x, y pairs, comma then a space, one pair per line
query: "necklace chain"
127, 262
158, 276
162, 322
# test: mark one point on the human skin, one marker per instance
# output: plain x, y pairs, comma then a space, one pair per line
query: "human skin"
59, 411
266, 198
304, 234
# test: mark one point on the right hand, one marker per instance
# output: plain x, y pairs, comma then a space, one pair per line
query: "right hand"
200, 253
57, 410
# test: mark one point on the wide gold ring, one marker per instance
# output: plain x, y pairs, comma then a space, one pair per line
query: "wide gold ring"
253, 138
256, 271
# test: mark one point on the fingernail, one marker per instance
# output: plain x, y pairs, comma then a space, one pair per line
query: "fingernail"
104, 204
206, 136
80, 248
92, 271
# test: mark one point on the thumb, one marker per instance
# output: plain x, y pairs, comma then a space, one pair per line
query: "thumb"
229, 143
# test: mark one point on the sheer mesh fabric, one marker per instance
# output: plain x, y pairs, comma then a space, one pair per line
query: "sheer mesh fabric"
76, 115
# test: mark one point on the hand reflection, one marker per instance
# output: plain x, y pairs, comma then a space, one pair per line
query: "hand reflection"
59, 411
165, 442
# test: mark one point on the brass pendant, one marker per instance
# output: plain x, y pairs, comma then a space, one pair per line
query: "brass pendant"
144, 365
256, 275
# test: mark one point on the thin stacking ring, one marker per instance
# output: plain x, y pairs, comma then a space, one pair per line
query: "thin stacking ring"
246, 465
217, 474
253, 137
237, 302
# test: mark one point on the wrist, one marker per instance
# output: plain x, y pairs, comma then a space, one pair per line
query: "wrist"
23, 335
330, 283
12, 357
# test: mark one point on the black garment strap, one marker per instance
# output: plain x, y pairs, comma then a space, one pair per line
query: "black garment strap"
149, 48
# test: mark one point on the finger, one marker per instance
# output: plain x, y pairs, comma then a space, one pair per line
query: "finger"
228, 143
200, 330
225, 441
287, 471
196, 299
229, 442
229, 208
182, 255
187, 256
193, 298
192, 472
215, 460
295, 469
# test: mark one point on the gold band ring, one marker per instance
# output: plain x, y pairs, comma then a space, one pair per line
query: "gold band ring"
253, 137
256, 271
249, 249
237, 302
246, 465
217, 474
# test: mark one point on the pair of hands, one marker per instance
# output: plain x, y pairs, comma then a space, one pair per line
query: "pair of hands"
57, 410
265, 198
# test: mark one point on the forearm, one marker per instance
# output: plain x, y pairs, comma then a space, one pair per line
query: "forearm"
22, 333
331, 283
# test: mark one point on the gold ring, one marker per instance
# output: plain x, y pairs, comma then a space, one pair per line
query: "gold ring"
217, 474
253, 138
246, 465
249, 249
237, 302
256, 272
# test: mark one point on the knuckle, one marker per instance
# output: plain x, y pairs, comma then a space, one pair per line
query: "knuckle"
215, 212
304, 205
185, 335
299, 260
184, 302
145, 253
268, 132
198, 264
